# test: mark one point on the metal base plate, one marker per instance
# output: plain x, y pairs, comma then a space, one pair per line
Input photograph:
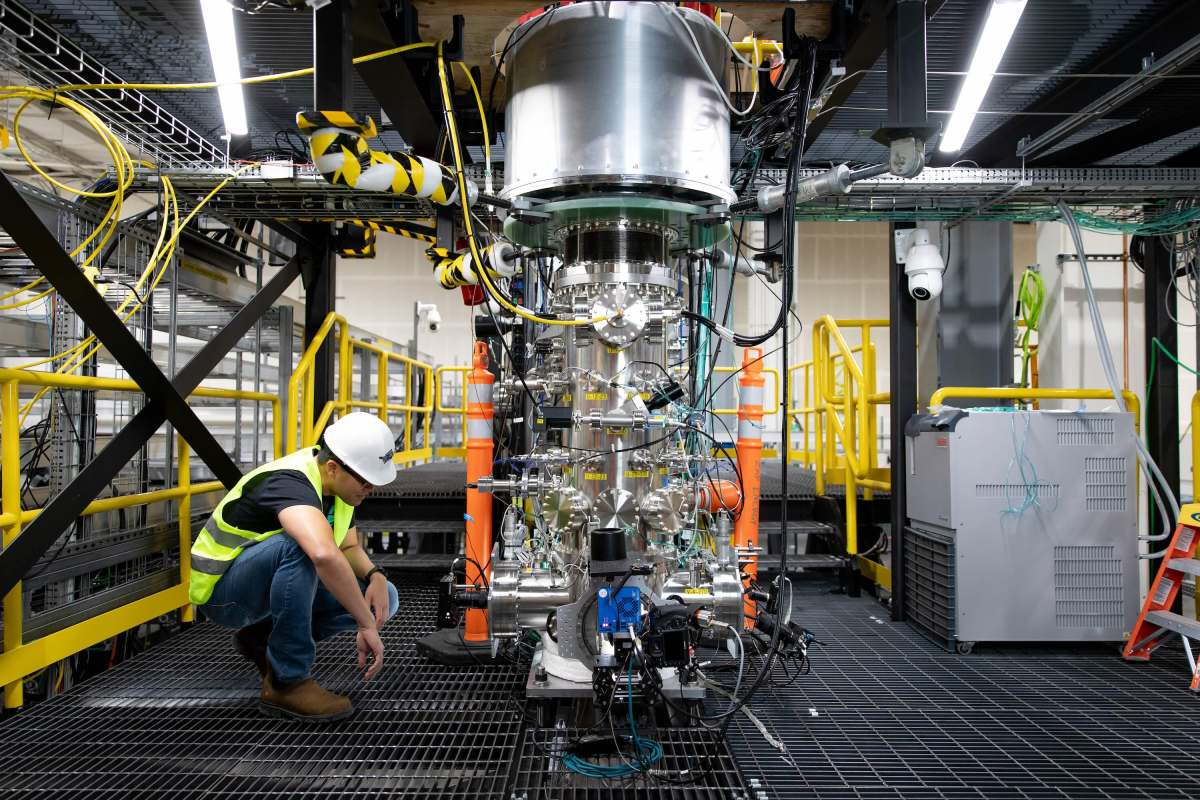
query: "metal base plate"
558, 687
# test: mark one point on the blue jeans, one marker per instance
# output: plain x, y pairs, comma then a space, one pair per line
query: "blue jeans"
276, 579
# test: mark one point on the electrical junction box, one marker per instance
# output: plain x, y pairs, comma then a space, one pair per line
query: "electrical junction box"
1023, 526
616, 611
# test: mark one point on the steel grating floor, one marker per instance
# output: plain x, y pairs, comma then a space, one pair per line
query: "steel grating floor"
180, 721
884, 714
887, 714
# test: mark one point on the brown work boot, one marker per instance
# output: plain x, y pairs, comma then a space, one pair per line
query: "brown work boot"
251, 644
305, 700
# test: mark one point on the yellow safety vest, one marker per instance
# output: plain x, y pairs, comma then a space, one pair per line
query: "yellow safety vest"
220, 543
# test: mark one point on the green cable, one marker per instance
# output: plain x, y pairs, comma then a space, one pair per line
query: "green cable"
1032, 296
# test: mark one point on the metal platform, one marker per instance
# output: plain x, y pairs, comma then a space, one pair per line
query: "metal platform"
884, 714
887, 714
180, 721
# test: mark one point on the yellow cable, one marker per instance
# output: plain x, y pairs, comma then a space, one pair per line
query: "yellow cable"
26, 302
155, 256
480, 264
257, 79
487, 139
25, 288
121, 162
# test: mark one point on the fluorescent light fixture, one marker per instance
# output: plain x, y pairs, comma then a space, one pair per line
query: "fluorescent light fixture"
998, 29
222, 48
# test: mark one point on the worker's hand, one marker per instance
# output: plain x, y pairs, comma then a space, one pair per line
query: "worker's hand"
376, 596
369, 643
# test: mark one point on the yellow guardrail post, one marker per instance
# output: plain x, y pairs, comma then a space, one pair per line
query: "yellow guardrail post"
10, 503
461, 411
187, 613
382, 386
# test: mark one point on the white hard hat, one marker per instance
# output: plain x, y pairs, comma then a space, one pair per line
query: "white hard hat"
365, 444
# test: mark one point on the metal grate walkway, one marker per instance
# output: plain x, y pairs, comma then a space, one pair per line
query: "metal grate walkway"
180, 722
884, 714
887, 714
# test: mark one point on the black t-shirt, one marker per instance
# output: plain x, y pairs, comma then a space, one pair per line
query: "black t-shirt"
265, 496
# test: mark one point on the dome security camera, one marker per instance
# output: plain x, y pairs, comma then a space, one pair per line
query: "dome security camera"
923, 266
429, 312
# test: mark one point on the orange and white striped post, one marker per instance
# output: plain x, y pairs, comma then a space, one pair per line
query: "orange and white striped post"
478, 546
749, 458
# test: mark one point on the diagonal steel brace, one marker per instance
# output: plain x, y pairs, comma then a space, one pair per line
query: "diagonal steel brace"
17, 559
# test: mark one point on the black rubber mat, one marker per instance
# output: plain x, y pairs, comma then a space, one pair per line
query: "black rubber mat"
887, 714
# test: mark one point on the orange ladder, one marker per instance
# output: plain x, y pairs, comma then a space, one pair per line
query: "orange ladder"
1157, 622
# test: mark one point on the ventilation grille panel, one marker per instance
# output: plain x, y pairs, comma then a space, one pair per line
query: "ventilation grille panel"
1105, 484
1080, 431
1087, 586
1005, 491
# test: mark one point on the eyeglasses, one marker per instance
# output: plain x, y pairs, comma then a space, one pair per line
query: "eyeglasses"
363, 482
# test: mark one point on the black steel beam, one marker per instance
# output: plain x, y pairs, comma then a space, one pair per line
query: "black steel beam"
403, 86
907, 86
41, 246
1167, 31
902, 342
319, 276
868, 41
333, 48
1136, 133
65, 508
1188, 158
1162, 407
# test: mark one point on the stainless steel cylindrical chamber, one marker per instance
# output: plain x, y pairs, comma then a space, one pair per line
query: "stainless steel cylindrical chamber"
616, 95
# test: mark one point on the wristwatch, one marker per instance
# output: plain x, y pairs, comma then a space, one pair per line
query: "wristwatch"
372, 571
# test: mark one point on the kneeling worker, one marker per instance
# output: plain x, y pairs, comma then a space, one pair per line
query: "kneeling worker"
315, 580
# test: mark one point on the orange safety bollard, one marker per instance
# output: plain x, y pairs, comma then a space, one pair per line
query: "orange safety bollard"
749, 458
478, 545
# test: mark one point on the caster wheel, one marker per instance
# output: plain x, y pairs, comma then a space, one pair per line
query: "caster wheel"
964, 648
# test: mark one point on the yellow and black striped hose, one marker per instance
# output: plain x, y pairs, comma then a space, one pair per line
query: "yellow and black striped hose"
453, 270
338, 143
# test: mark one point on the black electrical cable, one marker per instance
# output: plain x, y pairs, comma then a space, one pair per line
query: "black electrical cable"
508, 354
794, 161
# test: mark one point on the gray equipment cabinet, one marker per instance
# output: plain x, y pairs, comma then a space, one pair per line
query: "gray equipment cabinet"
1022, 526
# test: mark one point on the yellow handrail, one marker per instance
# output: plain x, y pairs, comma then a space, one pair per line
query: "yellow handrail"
302, 415
20, 658
1132, 404
846, 418
461, 411
301, 405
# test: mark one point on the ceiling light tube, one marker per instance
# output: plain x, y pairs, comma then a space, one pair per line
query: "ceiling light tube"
998, 28
227, 70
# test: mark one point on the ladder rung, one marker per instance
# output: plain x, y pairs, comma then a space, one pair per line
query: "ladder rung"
1189, 565
1175, 622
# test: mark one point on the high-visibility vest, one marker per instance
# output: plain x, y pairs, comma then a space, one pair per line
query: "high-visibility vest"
219, 543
